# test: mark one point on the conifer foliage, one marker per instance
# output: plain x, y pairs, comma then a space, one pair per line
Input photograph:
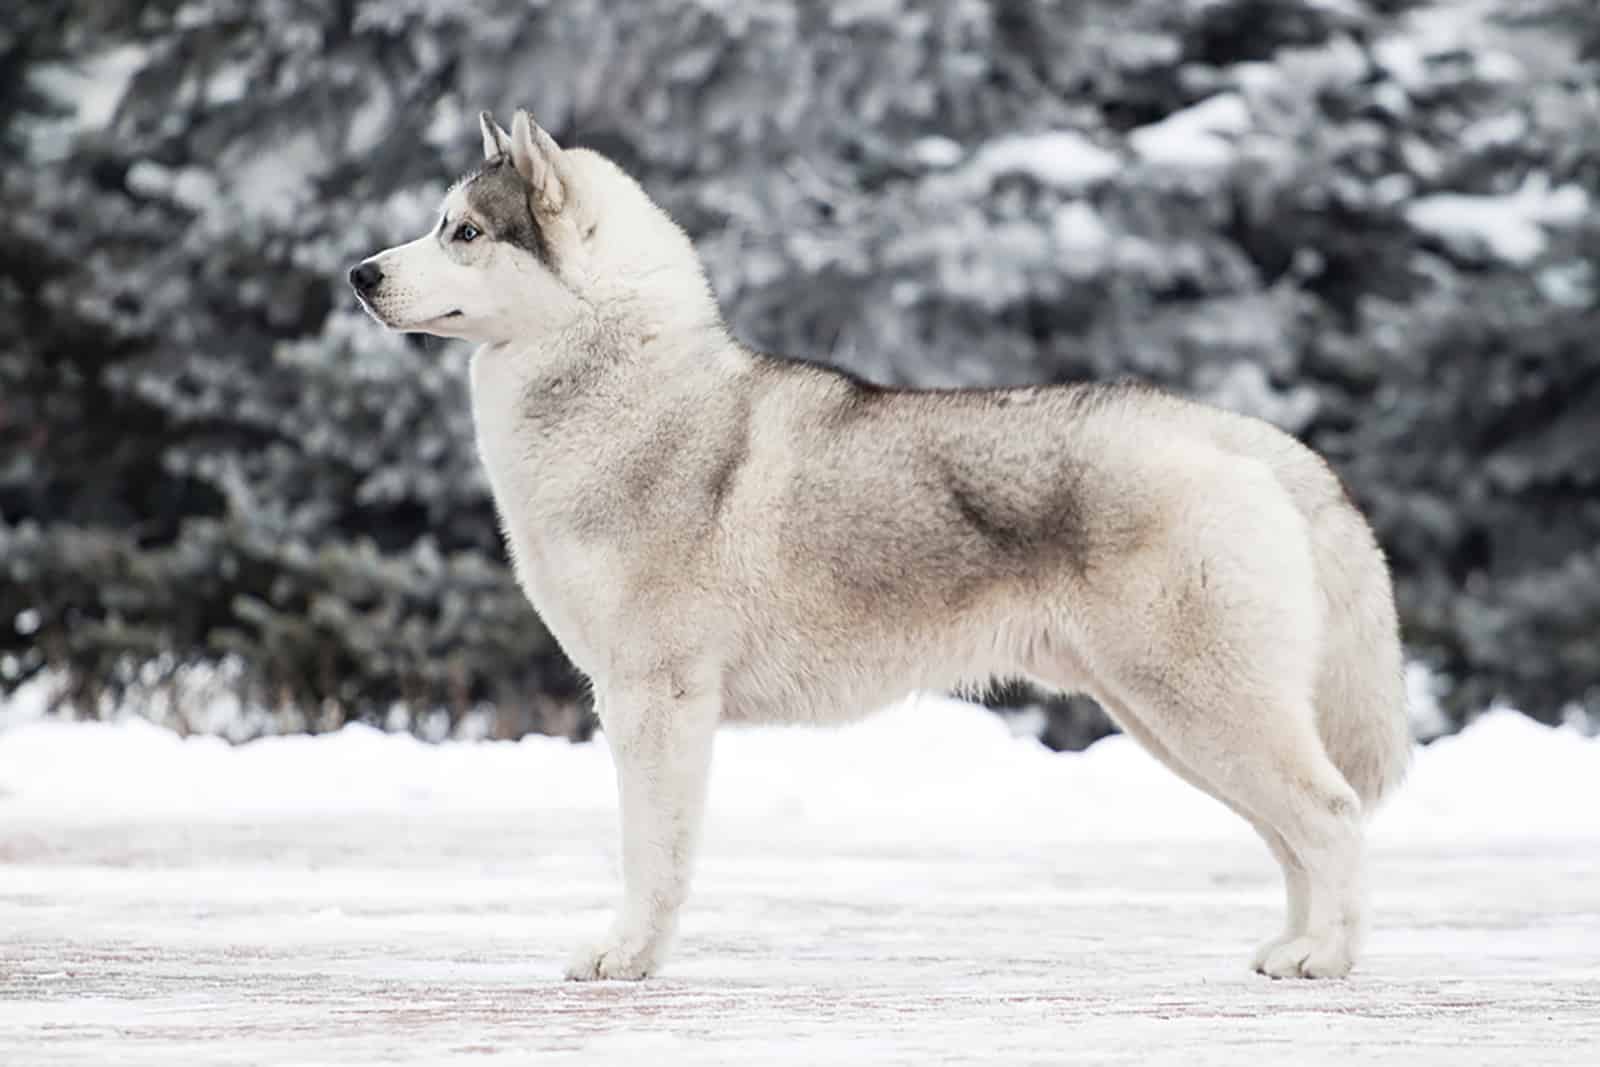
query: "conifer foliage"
1368, 221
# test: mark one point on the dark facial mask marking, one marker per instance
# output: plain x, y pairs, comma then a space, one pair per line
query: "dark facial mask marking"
500, 196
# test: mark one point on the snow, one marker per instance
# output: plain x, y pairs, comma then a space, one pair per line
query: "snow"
92, 86
1496, 131
1199, 137
1509, 228
1244, 386
274, 186
1083, 238
936, 152
1428, 719
1401, 58
1063, 159
227, 84
193, 187
370, 124
90, 89
925, 886
1466, 28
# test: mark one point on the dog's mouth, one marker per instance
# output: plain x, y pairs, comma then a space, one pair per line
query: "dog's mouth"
439, 325
385, 319
439, 320
444, 317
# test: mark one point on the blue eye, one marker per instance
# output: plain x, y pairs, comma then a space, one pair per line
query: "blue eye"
466, 232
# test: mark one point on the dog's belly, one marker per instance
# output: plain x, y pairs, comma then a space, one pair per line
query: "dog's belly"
840, 673
764, 694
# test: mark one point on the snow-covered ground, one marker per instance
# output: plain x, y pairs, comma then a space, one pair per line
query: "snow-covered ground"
921, 888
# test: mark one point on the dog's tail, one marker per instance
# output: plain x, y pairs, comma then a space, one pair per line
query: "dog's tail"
1360, 691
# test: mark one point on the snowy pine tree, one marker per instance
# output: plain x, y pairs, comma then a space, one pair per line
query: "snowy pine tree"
1368, 222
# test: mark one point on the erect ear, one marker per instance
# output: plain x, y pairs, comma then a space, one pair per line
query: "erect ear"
496, 142
538, 158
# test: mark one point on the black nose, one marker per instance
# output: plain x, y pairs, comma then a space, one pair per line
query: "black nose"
366, 276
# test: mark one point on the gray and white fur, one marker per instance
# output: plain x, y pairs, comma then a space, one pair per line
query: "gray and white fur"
716, 535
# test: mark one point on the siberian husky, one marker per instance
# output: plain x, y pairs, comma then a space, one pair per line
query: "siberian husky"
716, 535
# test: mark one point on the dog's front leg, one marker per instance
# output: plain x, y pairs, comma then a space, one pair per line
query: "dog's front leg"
660, 738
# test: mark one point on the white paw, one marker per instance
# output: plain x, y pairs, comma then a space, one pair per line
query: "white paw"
612, 959
1258, 962
1325, 955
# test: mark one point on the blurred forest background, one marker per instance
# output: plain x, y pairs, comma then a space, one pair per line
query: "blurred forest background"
224, 490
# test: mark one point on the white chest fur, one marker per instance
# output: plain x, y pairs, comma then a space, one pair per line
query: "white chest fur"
534, 479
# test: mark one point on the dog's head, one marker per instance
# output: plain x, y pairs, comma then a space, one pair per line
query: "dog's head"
533, 240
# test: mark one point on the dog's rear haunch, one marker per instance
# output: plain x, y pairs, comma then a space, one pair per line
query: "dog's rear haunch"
716, 535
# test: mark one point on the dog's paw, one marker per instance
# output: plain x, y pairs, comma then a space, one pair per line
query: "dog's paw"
1326, 955
1258, 962
610, 960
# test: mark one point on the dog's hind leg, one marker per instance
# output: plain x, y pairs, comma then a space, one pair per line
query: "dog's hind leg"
1265, 761
1296, 885
1209, 636
660, 734
1297, 888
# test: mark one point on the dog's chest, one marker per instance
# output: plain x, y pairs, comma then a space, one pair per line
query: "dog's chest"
536, 472
598, 492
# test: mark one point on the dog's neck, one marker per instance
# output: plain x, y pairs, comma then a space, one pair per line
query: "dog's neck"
649, 344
